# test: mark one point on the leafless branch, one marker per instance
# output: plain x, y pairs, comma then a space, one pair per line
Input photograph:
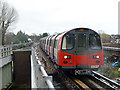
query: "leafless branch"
8, 15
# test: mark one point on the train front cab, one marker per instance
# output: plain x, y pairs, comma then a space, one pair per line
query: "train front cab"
80, 49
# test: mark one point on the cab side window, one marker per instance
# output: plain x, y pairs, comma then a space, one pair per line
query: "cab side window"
68, 41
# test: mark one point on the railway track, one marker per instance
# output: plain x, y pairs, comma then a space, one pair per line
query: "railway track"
85, 82
89, 82
95, 81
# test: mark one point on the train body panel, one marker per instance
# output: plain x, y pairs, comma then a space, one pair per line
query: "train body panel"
63, 61
52, 51
55, 55
66, 59
96, 58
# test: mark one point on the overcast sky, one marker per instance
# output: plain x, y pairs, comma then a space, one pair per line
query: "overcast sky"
39, 16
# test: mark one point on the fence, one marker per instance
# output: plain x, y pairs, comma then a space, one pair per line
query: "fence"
39, 78
5, 66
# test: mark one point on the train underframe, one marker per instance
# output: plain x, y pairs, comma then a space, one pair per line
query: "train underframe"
79, 70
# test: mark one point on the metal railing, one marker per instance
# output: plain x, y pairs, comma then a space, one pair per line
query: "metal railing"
5, 66
39, 78
111, 48
5, 51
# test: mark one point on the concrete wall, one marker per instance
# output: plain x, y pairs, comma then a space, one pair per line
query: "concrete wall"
6, 75
5, 72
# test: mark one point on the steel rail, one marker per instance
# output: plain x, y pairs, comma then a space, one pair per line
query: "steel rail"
112, 84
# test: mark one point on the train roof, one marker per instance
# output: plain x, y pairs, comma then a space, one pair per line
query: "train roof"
72, 30
81, 29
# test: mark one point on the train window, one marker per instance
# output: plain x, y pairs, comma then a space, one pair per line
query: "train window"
68, 41
94, 41
81, 40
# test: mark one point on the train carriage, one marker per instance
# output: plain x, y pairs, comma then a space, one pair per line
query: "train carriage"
76, 49
52, 45
48, 45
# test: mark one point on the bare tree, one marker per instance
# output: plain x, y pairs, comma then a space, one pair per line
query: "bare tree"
8, 15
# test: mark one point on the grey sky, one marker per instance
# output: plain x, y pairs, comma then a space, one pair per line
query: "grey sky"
38, 16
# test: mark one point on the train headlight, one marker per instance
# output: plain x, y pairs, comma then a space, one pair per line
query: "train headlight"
65, 57
68, 57
95, 56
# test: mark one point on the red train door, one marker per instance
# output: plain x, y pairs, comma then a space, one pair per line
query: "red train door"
81, 49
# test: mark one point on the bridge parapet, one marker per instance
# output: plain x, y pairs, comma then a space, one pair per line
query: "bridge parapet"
5, 66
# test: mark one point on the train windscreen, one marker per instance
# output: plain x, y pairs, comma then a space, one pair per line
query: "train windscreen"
94, 41
81, 40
